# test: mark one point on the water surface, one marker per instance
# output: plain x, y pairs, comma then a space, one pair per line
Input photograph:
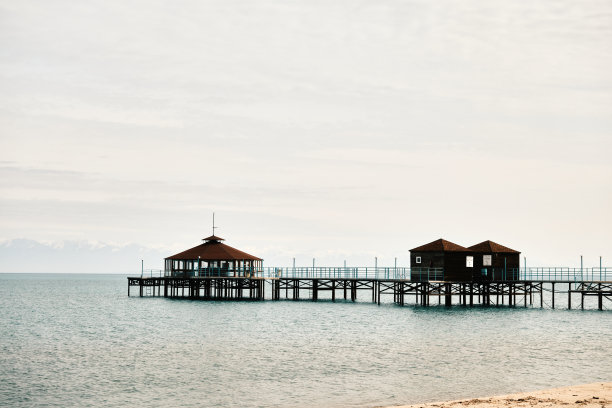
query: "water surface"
78, 340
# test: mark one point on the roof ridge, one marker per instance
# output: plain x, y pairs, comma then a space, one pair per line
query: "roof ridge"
491, 246
214, 250
441, 245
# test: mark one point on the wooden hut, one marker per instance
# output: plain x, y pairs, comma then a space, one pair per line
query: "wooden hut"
213, 258
493, 261
441, 260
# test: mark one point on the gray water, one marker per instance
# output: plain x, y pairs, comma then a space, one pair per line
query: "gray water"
78, 341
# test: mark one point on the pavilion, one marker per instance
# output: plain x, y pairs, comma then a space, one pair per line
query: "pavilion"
212, 258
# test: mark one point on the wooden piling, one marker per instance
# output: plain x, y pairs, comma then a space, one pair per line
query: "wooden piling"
541, 294
553, 295
333, 283
599, 297
510, 289
236, 288
373, 291
471, 294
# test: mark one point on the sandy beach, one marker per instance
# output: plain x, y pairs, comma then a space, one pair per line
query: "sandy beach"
596, 395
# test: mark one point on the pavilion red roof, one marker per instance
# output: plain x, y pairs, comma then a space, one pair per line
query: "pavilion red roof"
440, 245
493, 247
213, 250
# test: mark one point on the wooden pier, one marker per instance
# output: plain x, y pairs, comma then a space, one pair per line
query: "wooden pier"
516, 293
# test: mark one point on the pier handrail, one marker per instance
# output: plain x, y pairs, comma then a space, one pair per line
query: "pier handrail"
152, 273
392, 273
561, 273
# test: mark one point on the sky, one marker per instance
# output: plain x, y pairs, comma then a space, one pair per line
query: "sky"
335, 130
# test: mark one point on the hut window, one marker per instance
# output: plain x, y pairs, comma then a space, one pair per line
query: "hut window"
486, 260
418, 259
469, 261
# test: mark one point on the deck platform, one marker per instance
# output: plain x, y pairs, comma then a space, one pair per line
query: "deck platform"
521, 293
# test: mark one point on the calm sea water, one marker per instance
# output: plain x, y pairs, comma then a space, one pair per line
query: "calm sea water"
78, 341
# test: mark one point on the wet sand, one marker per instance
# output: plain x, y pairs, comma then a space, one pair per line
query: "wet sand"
596, 395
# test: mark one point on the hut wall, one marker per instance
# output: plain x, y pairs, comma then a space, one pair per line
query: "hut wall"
419, 271
497, 270
455, 266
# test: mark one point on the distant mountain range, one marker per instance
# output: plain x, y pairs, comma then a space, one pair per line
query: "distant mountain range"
29, 256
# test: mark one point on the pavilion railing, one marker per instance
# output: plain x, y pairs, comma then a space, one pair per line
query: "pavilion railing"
216, 272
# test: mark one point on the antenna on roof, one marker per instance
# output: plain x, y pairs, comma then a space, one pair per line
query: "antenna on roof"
214, 224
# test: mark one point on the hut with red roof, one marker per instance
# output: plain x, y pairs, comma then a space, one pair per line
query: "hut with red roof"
213, 258
441, 260
493, 261
445, 260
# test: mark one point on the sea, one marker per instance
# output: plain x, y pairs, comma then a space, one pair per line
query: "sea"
79, 341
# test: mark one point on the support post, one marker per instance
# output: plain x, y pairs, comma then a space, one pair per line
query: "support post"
471, 294
373, 291
553, 295
600, 293
510, 289
333, 290
497, 294
541, 295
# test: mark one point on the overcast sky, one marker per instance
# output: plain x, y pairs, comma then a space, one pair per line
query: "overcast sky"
343, 129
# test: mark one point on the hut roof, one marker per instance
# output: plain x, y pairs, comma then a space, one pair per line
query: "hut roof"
440, 245
490, 246
213, 250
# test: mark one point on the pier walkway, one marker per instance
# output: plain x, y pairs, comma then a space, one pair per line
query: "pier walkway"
541, 287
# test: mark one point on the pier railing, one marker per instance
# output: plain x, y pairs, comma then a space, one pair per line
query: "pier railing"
400, 273
554, 273
152, 273
349, 272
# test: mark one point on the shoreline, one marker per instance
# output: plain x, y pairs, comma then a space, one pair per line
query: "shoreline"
594, 395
